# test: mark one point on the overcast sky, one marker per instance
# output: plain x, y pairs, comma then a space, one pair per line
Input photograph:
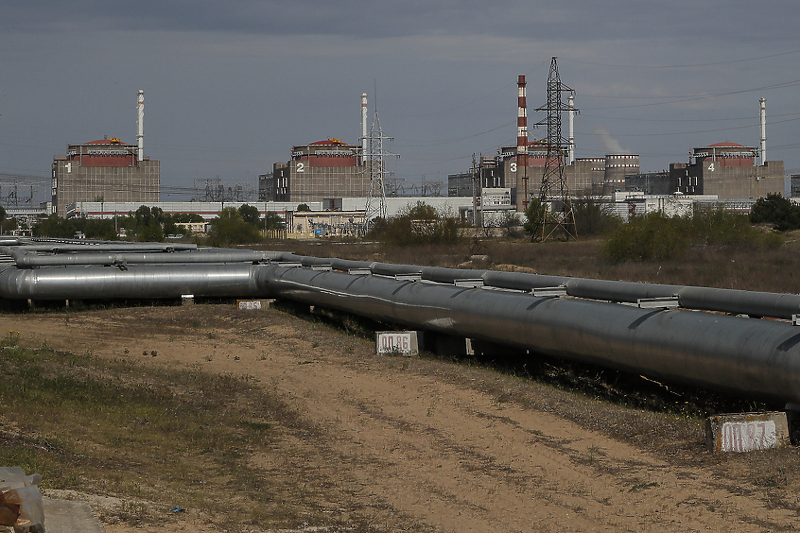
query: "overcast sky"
231, 86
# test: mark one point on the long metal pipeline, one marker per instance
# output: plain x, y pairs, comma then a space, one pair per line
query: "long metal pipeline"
762, 304
25, 259
753, 357
150, 281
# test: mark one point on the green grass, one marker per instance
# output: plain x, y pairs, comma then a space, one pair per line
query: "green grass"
116, 428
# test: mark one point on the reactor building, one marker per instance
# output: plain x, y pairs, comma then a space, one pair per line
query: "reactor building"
106, 170
317, 172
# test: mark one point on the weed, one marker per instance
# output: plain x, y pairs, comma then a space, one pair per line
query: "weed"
98, 425
591, 454
641, 486
10, 340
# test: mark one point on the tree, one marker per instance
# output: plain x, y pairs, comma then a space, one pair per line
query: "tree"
272, 221
509, 223
534, 215
593, 217
229, 228
776, 210
151, 233
249, 214
418, 224
303, 207
55, 226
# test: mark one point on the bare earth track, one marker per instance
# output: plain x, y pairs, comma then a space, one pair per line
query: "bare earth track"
424, 445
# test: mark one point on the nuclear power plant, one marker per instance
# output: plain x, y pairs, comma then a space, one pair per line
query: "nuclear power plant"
106, 170
721, 171
338, 175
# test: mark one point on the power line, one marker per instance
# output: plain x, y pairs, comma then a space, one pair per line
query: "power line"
689, 65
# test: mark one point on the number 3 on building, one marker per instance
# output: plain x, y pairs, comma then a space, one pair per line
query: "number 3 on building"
513, 167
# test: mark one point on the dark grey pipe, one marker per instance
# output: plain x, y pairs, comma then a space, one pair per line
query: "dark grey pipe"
755, 357
774, 305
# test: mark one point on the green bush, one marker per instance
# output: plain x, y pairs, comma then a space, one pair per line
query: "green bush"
776, 210
419, 224
229, 228
593, 218
534, 217
657, 237
649, 237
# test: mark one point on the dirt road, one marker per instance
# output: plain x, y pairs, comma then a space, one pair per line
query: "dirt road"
424, 445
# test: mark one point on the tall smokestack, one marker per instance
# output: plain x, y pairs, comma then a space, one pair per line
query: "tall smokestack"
571, 129
140, 125
763, 102
522, 137
363, 127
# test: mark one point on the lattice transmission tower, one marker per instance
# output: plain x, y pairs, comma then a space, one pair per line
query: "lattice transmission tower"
556, 216
376, 166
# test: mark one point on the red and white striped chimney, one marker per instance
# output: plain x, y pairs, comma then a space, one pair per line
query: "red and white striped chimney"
522, 137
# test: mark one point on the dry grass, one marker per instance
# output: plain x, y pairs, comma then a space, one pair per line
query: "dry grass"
117, 428
178, 437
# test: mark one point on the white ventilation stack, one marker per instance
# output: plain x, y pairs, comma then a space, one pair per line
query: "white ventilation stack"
363, 127
140, 125
763, 102
571, 129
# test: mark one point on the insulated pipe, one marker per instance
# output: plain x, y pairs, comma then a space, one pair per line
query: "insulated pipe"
88, 283
764, 304
755, 357
25, 259
56, 247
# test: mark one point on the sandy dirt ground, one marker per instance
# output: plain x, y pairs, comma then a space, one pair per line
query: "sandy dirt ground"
414, 443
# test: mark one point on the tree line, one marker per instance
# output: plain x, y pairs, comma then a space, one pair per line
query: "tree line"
151, 224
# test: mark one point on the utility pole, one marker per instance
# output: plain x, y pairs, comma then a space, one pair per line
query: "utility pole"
376, 199
556, 212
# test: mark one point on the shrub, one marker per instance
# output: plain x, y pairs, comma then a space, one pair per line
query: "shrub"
534, 217
229, 228
776, 210
419, 224
656, 237
650, 237
593, 217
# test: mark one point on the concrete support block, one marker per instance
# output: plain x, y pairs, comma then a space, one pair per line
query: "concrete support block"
445, 345
249, 304
398, 342
746, 432
481, 348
